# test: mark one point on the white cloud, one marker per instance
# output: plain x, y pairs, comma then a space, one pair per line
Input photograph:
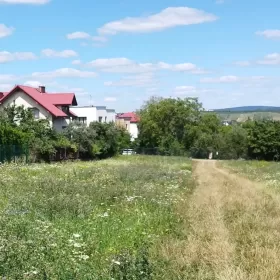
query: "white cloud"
100, 39
242, 63
7, 78
125, 65
185, 88
83, 35
270, 33
34, 84
8, 57
5, 30
63, 54
77, 62
167, 18
223, 79
110, 99
6, 87
190, 91
32, 2
65, 73
270, 59
78, 35
142, 80
233, 79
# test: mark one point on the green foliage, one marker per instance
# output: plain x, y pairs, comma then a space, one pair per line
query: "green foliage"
99, 140
166, 123
180, 126
263, 139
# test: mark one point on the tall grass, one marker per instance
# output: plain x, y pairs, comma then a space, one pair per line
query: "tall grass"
97, 220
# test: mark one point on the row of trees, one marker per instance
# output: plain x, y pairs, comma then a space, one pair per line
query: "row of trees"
18, 128
167, 126
181, 126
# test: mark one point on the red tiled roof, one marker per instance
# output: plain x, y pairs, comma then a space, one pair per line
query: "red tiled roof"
62, 98
46, 100
132, 116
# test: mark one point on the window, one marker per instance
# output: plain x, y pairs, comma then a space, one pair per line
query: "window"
100, 119
35, 112
105, 119
82, 119
65, 109
126, 126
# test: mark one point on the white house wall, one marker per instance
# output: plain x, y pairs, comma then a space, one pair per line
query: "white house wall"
133, 130
102, 112
85, 112
60, 123
111, 116
20, 98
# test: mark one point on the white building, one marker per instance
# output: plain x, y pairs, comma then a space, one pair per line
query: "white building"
53, 107
130, 122
88, 114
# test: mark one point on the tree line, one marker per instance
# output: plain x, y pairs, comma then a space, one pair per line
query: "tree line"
168, 126
19, 131
182, 127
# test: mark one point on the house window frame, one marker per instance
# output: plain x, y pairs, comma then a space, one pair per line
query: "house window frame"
35, 112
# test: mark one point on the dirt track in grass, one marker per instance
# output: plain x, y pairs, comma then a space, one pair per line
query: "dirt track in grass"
234, 228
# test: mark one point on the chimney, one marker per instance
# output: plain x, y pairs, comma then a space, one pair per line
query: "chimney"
42, 89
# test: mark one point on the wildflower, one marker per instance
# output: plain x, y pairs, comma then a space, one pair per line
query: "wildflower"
116, 262
77, 245
84, 257
104, 215
76, 235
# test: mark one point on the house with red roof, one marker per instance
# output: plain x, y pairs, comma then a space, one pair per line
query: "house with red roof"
54, 107
130, 122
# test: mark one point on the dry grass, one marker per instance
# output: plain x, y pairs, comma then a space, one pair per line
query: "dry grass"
233, 230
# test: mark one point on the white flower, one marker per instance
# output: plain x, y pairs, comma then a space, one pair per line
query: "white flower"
76, 235
77, 245
84, 257
105, 215
116, 262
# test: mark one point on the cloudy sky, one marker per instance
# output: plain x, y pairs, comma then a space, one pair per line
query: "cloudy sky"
120, 52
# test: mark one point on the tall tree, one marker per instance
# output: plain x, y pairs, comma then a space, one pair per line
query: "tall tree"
166, 124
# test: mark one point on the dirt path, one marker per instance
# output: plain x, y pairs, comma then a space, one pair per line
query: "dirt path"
234, 228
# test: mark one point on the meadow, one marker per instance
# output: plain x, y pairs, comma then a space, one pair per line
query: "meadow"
267, 173
110, 219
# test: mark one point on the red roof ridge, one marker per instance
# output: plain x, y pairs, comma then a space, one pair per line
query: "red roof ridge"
39, 98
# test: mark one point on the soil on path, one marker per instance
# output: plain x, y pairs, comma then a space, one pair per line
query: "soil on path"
233, 228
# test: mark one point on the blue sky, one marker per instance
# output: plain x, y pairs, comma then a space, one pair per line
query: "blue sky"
118, 53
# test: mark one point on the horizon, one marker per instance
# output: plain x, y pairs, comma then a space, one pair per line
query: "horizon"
119, 53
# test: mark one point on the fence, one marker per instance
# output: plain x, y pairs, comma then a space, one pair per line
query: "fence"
157, 151
12, 153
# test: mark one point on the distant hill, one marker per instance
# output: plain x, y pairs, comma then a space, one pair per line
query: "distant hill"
242, 114
250, 109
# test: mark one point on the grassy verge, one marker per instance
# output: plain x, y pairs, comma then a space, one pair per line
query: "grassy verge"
99, 220
260, 171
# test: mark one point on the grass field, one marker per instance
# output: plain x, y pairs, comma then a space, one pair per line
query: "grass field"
264, 172
113, 219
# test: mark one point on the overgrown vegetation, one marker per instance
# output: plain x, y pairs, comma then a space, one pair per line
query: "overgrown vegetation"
181, 126
92, 220
19, 128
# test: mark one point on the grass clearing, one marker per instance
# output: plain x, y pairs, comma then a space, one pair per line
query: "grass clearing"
93, 220
267, 173
235, 228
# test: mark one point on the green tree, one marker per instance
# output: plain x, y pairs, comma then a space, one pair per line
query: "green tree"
166, 124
